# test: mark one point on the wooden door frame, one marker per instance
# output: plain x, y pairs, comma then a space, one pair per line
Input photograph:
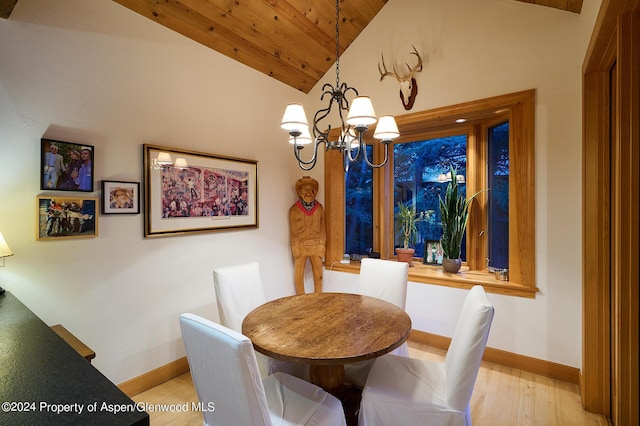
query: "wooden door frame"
609, 384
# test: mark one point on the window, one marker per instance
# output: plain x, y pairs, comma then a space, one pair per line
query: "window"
419, 178
498, 206
359, 207
493, 149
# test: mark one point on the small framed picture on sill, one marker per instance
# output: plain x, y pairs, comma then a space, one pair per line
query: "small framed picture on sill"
120, 197
432, 253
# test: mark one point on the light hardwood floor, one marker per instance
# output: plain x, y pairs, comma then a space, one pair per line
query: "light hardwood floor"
502, 396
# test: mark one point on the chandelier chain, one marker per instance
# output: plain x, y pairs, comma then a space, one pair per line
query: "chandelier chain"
337, 44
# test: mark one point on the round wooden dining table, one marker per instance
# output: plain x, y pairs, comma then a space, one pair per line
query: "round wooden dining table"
326, 330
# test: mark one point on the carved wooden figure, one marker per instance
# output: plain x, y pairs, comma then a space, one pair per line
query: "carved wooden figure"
308, 233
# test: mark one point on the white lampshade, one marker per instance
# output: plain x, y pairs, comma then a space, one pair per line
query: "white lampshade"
294, 118
361, 112
164, 158
5, 251
303, 139
181, 163
387, 128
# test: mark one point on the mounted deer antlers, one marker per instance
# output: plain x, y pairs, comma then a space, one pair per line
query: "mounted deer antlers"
408, 85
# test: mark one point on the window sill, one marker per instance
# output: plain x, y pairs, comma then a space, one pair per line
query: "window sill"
466, 279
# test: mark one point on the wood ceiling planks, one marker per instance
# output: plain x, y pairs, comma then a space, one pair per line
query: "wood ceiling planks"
6, 7
292, 41
574, 6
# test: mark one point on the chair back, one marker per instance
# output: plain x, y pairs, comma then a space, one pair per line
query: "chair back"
238, 292
467, 347
225, 373
384, 279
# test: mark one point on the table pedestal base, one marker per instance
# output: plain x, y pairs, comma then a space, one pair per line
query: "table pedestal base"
328, 377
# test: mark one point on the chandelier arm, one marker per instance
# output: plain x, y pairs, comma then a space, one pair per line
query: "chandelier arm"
317, 119
347, 154
386, 156
345, 89
321, 114
314, 158
348, 150
345, 162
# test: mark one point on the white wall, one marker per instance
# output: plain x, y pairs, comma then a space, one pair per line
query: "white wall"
95, 72
475, 49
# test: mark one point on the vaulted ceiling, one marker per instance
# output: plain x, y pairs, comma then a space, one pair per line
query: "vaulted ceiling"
292, 41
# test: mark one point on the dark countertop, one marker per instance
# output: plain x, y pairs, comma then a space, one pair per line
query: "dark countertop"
39, 370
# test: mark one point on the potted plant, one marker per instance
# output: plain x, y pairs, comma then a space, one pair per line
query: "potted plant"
407, 220
454, 210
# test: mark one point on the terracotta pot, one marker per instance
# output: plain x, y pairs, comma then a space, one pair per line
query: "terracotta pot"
405, 255
451, 265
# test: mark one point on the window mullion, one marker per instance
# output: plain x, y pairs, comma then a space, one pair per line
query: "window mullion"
477, 181
383, 207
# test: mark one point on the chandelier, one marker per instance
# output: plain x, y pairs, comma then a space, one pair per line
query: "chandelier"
359, 116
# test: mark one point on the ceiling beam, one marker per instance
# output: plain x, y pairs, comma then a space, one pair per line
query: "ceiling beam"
6, 7
574, 6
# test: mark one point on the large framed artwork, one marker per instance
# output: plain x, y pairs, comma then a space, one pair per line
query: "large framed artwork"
192, 192
66, 217
66, 166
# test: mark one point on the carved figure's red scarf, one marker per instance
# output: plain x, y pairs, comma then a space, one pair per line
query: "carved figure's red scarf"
307, 208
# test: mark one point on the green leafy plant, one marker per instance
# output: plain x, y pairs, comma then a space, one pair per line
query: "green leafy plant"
407, 220
454, 210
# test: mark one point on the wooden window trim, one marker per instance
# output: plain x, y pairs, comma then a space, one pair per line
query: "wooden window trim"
610, 199
520, 107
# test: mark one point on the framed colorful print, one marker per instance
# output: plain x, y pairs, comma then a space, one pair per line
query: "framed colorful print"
432, 253
66, 217
66, 166
191, 192
120, 197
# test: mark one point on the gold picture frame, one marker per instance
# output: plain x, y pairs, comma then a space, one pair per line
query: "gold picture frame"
66, 217
193, 192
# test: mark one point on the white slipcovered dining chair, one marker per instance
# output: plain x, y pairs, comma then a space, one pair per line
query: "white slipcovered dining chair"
229, 387
408, 391
386, 280
239, 291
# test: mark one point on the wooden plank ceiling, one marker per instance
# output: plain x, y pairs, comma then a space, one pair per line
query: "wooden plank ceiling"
292, 41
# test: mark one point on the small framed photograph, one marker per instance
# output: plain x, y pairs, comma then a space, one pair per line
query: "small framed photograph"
66, 166
432, 253
120, 197
193, 192
66, 217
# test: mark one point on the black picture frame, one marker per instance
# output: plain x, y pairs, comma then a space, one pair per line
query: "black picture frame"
120, 197
61, 170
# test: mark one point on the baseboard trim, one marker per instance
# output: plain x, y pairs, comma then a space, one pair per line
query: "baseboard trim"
155, 377
508, 359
